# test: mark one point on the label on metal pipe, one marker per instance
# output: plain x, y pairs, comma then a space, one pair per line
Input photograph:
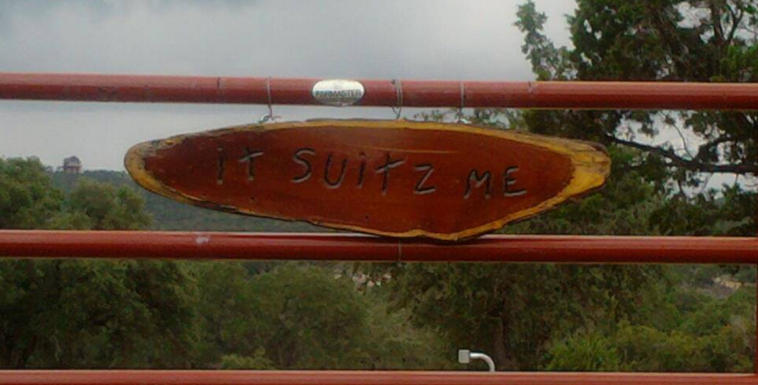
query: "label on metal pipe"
338, 92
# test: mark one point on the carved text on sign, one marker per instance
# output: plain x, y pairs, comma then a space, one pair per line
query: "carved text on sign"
398, 178
335, 172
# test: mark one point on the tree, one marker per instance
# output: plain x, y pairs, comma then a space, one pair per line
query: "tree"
84, 314
76, 313
303, 316
139, 314
27, 199
515, 311
688, 331
705, 41
663, 40
99, 206
520, 313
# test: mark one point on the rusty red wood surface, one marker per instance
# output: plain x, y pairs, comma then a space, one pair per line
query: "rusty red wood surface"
236, 377
415, 93
388, 177
352, 247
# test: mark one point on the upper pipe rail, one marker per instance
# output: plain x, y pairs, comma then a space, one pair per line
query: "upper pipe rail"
352, 247
242, 377
415, 93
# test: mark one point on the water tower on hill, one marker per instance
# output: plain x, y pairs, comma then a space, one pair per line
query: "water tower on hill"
72, 165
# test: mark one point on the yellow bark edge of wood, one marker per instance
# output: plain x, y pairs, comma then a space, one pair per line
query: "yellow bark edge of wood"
589, 162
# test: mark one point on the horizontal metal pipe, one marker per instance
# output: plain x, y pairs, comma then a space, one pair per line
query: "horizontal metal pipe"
234, 377
352, 247
415, 93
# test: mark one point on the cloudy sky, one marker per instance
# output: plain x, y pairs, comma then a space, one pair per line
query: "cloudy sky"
409, 39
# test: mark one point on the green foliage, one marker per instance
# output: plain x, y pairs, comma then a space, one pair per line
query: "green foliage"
591, 352
704, 41
318, 318
514, 311
645, 348
517, 312
27, 199
96, 314
68, 314
688, 332
651, 190
394, 343
79, 314
99, 206
298, 316
171, 215
257, 362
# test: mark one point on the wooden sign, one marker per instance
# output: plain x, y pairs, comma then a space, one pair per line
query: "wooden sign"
397, 178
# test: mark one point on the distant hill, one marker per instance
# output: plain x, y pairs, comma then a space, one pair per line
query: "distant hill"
171, 215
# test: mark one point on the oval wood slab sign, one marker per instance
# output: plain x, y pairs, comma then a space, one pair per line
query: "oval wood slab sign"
396, 178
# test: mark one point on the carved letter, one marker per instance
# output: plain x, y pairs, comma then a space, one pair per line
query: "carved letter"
221, 160
303, 162
362, 169
338, 182
508, 182
478, 182
249, 157
419, 189
385, 169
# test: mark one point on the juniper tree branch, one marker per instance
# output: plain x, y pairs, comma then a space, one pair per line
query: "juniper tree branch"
690, 164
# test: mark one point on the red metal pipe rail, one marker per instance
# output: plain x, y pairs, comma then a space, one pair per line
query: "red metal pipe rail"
212, 245
415, 93
352, 247
223, 377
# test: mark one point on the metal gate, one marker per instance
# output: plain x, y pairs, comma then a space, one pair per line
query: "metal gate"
346, 247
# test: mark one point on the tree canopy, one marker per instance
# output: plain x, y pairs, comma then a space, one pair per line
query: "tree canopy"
696, 41
584, 317
158, 314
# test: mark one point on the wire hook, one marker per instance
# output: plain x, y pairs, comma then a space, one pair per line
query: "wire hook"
462, 105
270, 117
398, 107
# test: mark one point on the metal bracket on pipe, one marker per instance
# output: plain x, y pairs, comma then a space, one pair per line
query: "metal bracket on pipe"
465, 356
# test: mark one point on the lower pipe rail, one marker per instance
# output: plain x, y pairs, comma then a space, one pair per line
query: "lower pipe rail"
242, 377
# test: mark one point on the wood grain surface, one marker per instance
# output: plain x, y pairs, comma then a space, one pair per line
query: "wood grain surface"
396, 178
